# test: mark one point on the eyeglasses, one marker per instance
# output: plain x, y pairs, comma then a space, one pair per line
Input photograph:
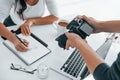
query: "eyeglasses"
20, 68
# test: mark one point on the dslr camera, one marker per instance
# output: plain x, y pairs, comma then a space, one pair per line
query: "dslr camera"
77, 26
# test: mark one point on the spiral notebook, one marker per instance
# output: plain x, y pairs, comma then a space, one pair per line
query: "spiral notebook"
36, 50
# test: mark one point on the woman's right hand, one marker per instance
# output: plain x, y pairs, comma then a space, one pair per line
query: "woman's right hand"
20, 46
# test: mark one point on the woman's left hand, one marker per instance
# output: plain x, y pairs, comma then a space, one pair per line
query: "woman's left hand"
25, 28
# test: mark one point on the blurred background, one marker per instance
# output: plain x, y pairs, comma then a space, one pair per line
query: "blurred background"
99, 9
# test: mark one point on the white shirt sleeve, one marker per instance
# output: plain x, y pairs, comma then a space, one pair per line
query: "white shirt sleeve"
5, 7
52, 7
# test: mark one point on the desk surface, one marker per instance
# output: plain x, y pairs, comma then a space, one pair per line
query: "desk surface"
7, 57
48, 34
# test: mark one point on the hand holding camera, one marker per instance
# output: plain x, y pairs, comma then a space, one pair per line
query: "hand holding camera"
77, 26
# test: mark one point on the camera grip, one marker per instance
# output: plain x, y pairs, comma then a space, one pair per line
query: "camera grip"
62, 40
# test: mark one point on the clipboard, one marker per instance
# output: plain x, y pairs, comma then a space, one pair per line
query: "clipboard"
37, 49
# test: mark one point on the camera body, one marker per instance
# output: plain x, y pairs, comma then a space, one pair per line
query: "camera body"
77, 26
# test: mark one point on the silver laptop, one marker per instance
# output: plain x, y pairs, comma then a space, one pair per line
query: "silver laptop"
72, 65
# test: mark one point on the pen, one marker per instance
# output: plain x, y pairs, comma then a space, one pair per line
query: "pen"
20, 40
34, 36
39, 40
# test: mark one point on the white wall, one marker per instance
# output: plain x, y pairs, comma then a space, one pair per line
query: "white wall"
100, 9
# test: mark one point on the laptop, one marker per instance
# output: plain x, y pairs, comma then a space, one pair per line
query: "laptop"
72, 64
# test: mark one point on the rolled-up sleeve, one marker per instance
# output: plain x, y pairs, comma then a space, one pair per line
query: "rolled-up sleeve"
104, 72
5, 7
52, 7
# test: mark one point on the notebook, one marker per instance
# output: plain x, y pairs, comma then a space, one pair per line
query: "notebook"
36, 50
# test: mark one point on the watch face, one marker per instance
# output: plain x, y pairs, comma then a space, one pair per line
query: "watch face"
85, 27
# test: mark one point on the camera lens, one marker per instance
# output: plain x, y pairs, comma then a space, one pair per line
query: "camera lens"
80, 21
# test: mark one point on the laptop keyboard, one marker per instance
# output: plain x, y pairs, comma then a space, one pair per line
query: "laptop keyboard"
74, 64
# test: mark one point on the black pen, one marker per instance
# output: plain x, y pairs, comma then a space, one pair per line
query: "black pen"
34, 36
20, 40
39, 40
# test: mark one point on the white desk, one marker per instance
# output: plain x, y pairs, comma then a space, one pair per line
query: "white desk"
48, 34
7, 57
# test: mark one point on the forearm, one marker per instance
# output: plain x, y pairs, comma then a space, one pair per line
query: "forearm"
43, 20
91, 58
6, 33
110, 26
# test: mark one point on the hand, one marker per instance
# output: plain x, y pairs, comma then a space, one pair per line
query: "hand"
93, 22
20, 46
25, 28
73, 40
